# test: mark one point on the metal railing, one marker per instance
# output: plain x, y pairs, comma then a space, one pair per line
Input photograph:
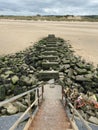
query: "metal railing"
66, 103
38, 94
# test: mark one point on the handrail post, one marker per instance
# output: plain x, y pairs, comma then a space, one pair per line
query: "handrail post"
38, 95
21, 117
84, 122
42, 91
29, 104
73, 111
62, 93
63, 97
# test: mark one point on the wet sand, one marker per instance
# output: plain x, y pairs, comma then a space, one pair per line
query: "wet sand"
18, 35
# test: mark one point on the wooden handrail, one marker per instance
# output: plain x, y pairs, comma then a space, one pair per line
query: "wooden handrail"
19, 96
16, 97
84, 122
36, 89
74, 110
17, 122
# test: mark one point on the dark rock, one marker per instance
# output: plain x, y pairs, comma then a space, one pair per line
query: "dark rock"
2, 92
9, 72
80, 71
66, 61
18, 90
90, 113
82, 78
89, 76
67, 66
70, 73
80, 65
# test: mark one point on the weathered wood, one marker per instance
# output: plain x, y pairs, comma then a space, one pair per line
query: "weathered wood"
29, 104
49, 53
30, 120
17, 122
52, 42
38, 95
47, 65
16, 97
46, 75
84, 122
42, 91
49, 57
20, 95
51, 45
51, 48
74, 110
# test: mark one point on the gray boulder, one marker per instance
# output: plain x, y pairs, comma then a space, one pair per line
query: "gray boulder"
82, 78
15, 79
11, 109
80, 71
20, 106
9, 72
93, 120
70, 73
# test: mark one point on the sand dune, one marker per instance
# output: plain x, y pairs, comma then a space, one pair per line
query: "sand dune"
18, 35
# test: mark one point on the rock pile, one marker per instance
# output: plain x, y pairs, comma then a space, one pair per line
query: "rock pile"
50, 58
15, 75
86, 104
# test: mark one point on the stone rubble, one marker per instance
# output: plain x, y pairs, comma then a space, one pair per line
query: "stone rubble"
50, 58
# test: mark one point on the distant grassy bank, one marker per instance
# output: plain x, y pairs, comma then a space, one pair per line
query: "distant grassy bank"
91, 18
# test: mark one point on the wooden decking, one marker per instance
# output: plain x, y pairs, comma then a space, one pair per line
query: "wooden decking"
51, 115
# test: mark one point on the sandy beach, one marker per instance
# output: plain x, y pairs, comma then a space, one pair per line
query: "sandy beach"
18, 35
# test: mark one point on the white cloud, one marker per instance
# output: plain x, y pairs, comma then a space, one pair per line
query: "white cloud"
51, 11
94, 1
46, 7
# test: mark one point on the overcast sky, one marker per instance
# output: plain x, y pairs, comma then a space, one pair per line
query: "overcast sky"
48, 7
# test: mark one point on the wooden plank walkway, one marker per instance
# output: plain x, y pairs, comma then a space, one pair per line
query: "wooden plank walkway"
51, 115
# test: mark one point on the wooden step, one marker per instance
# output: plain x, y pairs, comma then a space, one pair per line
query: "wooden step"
69, 129
49, 53
51, 42
51, 45
46, 75
47, 65
50, 48
49, 57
